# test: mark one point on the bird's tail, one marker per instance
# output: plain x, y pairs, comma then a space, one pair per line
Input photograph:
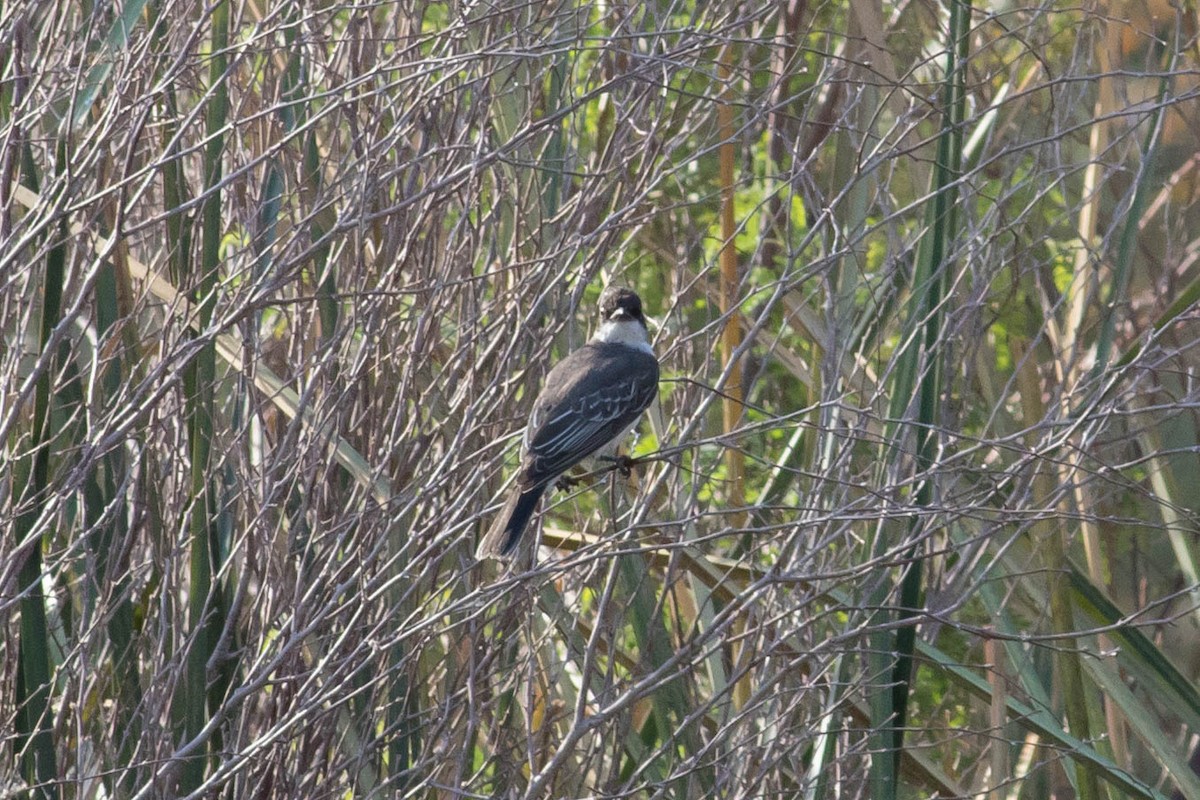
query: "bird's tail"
510, 523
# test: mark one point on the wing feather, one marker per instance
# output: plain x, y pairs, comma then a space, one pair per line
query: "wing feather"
576, 414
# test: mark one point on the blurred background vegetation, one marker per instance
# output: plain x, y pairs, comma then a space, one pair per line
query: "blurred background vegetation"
278, 281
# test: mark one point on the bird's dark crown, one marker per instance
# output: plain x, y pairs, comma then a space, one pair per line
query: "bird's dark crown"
617, 301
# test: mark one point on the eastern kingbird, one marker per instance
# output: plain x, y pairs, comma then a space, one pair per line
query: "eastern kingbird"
590, 401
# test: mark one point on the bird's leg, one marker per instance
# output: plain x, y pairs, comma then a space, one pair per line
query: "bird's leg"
621, 463
566, 483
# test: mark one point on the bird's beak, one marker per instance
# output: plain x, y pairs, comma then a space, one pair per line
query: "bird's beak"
620, 313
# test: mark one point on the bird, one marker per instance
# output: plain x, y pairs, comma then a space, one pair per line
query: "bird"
588, 403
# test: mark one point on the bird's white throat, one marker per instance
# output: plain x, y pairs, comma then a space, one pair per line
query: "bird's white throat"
628, 332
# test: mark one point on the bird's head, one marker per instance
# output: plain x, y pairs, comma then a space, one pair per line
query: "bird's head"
622, 320
619, 304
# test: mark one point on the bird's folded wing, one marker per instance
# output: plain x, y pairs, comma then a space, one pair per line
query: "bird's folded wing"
559, 438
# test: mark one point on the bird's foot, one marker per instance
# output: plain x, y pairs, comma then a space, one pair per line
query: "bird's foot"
566, 483
621, 463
